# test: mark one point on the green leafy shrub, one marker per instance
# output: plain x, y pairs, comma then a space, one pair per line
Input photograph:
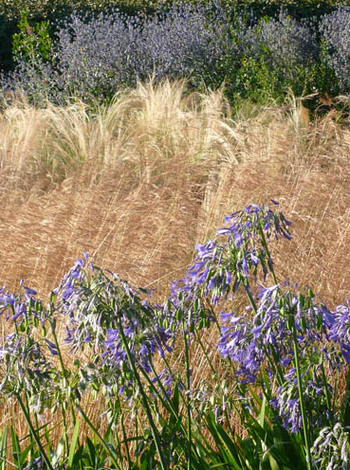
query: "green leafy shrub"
32, 43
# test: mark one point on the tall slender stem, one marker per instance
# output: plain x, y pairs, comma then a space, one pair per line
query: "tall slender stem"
143, 395
33, 432
165, 402
188, 377
327, 394
125, 440
301, 397
265, 245
205, 353
65, 372
250, 298
100, 438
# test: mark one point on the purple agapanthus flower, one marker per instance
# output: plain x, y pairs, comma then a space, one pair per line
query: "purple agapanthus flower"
19, 307
107, 315
287, 401
339, 328
221, 266
248, 340
25, 366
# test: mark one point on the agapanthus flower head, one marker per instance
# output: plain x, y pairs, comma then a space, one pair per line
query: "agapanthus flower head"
165, 382
227, 261
68, 289
36, 464
249, 339
331, 449
106, 314
287, 400
339, 328
23, 307
25, 366
248, 222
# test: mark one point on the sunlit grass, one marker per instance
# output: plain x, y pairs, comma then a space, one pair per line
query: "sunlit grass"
139, 182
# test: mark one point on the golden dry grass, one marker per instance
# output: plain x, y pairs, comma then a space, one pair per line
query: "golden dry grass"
138, 183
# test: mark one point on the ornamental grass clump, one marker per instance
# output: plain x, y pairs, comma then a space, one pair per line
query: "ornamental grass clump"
283, 358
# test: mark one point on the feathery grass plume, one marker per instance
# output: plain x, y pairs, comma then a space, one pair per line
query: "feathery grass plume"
159, 156
148, 177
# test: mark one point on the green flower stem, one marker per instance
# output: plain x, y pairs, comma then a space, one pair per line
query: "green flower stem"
167, 402
65, 372
345, 403
36, 420
276, 366
65, 376
188, 377
100, 438
265, 245
136, 428
144, 397
327, 394
33, 432
250, 298
301, 397
117, 439
125, 441
205, 353
214, 316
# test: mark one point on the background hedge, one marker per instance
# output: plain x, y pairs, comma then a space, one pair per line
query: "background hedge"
56, 11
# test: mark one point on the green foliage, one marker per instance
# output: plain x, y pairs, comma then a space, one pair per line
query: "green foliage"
45, 8
32, 43
256, 76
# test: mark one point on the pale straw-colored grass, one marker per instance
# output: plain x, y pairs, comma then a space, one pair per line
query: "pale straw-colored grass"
139, 182
125, 183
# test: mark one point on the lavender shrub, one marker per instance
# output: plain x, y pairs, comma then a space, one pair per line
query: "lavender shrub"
277, 54
185, 41
97, 57
92, 58
334, 30
288, 45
